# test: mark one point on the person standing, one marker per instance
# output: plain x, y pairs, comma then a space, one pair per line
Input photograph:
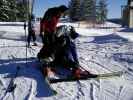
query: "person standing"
47, 32
31, 31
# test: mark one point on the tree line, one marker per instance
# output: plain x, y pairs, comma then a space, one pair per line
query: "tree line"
88, 10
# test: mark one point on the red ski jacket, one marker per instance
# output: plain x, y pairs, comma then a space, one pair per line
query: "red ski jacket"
49, 26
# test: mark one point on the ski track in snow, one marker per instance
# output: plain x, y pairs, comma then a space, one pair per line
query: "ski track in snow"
98, 54
30, 95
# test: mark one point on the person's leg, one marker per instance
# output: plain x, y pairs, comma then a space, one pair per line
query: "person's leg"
71, 56
42, 37
34, 37
29, 37
76, 70
68, 58
74, 52
46, 66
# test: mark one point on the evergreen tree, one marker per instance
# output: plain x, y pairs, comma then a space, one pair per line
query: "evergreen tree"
4, 10
8, 10
13, 10
74, 10
12, 13
89, 10
22, 7
102, 11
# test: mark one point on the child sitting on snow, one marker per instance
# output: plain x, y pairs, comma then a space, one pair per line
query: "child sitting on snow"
64, 54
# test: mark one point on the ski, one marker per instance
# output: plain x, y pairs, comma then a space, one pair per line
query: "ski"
54, 92
12, 85
95, 76
46, 80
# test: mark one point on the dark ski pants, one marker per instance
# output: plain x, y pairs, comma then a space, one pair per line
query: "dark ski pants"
31, 35
67, 56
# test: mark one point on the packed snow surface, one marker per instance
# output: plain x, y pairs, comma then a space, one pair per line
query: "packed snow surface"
100, 50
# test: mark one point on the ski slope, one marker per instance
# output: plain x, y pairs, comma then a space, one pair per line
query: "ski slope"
99, 51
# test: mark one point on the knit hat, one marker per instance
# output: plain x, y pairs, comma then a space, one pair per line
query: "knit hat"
62, 8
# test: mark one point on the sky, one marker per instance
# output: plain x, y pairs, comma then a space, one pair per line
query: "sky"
114, 7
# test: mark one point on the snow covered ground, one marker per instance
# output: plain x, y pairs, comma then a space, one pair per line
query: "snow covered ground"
99, 51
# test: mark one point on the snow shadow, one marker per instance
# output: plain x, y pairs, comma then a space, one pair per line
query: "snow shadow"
20, 37
127, 30
123, 57
2, 33
111, 38
27, 71
11, 37
11, 24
